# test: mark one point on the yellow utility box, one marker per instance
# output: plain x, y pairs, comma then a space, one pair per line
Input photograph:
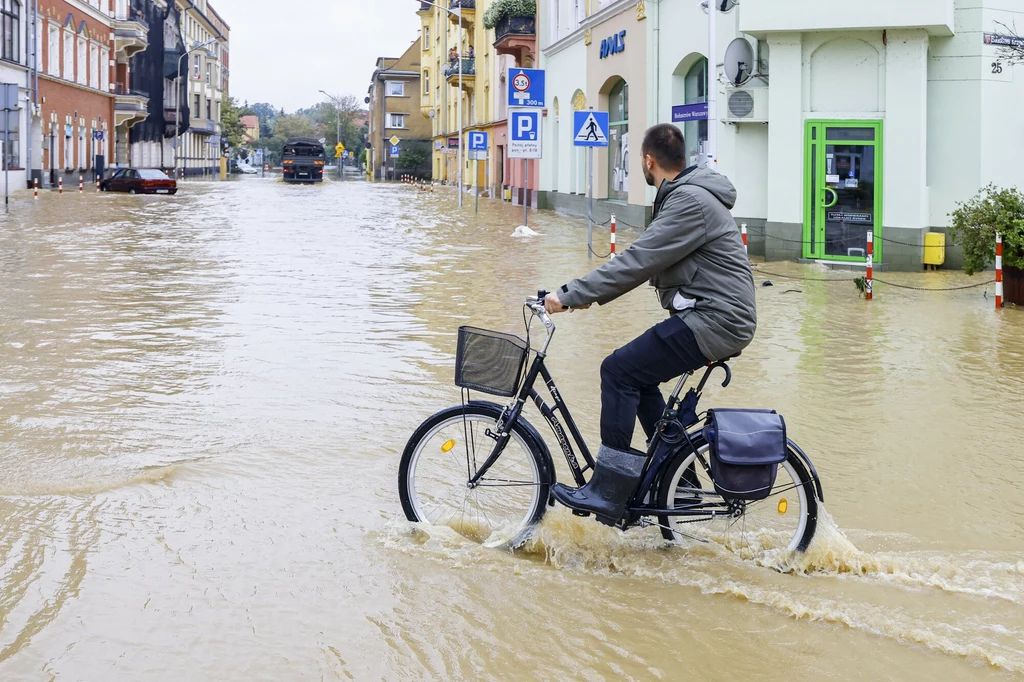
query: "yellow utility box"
934, 248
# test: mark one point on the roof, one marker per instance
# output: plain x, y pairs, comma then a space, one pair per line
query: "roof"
251, 121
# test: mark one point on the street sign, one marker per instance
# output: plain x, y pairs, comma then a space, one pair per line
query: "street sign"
477, 141
477, 154
97, 134
339, 149
395, 151
690, 112
394, 140
526, 88
590, 128
344, 155
524, 134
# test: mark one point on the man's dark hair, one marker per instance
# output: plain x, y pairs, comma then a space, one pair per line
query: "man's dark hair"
665, 143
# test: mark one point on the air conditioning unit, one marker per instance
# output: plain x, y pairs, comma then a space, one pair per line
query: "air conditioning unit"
746, 105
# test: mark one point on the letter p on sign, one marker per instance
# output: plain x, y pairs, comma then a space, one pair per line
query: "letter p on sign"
524, 127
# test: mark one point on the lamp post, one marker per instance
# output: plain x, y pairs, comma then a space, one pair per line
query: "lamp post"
177, 99
458, 15
337, 106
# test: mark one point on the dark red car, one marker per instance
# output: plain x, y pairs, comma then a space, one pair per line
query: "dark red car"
139, 181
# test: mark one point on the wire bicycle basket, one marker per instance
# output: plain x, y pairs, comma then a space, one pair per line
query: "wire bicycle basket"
490, 362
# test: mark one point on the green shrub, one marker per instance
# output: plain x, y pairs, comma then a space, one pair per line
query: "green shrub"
976, 222
508, 8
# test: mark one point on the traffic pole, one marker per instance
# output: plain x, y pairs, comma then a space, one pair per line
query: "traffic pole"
869, 278
60, 185
743, 231
613, 236
35, 188
81, 184
999, 271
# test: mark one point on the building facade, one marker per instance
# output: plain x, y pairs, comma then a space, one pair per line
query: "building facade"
76, 95
831, 120
394, 98
18, 127
456, 42
200, 148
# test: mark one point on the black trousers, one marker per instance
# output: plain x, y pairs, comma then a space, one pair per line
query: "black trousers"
631, 376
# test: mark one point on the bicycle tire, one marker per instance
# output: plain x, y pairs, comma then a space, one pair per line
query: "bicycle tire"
478, 413
801, 481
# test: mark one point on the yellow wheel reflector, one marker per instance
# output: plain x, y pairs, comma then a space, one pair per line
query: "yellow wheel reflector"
449, 444
783, 506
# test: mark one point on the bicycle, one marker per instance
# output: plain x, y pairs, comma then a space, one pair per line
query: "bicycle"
504, 459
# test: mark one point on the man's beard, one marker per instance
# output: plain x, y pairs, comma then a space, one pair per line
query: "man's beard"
649, 178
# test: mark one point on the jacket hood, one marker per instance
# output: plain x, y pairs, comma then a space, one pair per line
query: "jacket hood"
717, 184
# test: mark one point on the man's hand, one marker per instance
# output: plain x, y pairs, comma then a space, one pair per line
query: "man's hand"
553, 305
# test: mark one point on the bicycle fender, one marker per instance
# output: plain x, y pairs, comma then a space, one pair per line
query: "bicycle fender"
810, 468
531, 432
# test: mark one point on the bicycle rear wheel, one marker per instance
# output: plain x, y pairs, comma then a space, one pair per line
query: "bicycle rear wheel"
447, 450
785, 520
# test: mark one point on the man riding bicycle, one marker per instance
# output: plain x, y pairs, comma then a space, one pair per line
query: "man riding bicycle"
693, 256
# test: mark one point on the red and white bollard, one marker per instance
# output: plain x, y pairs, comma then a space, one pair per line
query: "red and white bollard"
999, 271
870, 276
81, 184
35, 188
613, 236
60, 185
743, 231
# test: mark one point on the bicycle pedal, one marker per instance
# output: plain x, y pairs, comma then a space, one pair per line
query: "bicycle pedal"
584, 514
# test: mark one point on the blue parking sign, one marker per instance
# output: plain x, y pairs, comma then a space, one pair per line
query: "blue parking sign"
524, 134
395, 151
477, 141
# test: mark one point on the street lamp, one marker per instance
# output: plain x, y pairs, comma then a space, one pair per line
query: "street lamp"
337, 105
177, 98
457, 14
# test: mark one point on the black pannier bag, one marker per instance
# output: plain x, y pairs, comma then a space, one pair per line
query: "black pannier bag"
747, 447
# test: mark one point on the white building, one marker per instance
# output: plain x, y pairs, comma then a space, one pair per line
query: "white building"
874, 115
200, 148
15, 52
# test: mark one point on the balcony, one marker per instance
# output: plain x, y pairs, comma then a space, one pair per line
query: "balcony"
204, 126
467, 66
131, 33
466, 9
765, 16
426, 7
130, 106
516, 36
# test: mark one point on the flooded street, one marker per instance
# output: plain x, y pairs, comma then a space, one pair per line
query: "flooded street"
205, 397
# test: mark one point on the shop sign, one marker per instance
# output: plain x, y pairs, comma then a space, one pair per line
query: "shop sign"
1003, 40
859, 218
690, 112
453, 143
613, 45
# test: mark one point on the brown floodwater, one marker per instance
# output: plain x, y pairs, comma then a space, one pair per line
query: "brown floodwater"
203, 400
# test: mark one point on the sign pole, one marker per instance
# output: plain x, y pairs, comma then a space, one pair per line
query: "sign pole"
476, 209
526, 191
7, 160
712, 89
590, 203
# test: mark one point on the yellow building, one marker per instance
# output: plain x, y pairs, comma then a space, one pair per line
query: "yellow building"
455, 41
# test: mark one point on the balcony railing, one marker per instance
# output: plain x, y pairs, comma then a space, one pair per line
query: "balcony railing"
204, 126
467, 64
426, 6
464, 4
515, 26
124, 91
132, 15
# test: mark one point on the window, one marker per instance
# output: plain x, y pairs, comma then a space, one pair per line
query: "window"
11, 158
618, 152
104, 71
426, 37
195, 66
696, 132
209, 109
396, 89
12, 24
426, 82
68, 70
196, 109
396, 120
53, 51
82, 163
209, 73
68, 150
94, 66
82, 76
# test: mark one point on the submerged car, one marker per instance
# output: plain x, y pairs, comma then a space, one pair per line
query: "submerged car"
139, 181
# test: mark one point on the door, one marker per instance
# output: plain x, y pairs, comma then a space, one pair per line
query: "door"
843, 190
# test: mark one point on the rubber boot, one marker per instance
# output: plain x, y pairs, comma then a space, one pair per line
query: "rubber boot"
616, 474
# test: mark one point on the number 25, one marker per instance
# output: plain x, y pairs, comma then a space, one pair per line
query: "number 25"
997, 67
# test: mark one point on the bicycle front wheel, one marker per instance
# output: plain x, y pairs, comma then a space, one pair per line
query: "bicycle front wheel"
447, 450
785, 520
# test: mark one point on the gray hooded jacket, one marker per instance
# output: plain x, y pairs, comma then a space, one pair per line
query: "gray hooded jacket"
692, 248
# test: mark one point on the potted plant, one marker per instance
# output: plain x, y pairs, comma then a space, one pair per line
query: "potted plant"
501, 9
974, 226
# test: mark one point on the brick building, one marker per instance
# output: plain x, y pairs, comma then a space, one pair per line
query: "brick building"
76, 104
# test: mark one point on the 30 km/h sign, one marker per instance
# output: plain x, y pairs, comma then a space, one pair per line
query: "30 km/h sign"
526, 88
524, 138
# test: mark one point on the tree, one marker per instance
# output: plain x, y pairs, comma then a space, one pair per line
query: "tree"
231, 123
286, 127
1011, 45
976, 222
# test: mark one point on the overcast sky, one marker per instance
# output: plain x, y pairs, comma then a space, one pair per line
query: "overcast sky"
285, 52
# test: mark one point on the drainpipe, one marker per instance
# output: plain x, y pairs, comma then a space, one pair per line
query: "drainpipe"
32, 77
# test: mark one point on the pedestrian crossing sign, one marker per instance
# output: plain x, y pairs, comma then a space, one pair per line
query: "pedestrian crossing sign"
590, 129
